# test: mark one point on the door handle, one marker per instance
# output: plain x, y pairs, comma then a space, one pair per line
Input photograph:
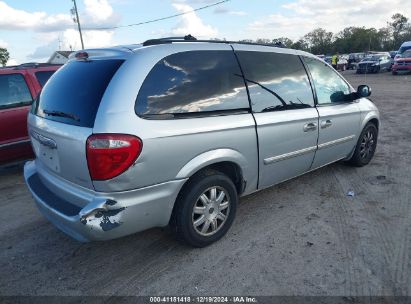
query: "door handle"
326, 123
311, 126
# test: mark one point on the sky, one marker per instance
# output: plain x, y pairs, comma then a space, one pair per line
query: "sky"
33, 30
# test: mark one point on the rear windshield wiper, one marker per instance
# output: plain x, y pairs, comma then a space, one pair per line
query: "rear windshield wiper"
61, 114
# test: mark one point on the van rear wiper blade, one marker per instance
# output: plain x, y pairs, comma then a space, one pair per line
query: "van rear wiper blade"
61, 114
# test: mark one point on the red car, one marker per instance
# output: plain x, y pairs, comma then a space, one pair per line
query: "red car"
19, 85
402, 63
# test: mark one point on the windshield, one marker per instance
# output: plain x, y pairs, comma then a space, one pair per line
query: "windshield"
372, 58
406, 54
403, 49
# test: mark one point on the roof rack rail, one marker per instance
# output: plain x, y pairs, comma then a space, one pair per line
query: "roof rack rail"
8, 67
33, 65
169, 40
190, 38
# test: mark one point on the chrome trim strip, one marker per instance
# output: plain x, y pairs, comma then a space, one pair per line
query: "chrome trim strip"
15, 143
285, 156
45, 141
335, 142
289, 155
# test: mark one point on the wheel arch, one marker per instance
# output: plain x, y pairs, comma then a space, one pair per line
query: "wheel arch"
371, 117
375, 121
227, 161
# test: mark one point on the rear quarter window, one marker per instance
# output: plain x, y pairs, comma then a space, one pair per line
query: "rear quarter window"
193, 82
74, 93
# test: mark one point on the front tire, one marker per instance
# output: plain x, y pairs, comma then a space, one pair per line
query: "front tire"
205, 209
366, 146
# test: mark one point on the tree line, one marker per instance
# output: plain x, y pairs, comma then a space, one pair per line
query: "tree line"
351, 39
320, 41
4, 56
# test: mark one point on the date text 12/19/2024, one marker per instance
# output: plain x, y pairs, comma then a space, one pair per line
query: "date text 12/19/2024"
203, 299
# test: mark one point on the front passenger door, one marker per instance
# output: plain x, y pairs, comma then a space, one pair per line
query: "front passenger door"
339, 119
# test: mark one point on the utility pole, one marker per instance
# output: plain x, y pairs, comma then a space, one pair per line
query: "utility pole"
76, 19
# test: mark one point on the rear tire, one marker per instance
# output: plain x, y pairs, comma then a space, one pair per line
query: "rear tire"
205, 209
366, 146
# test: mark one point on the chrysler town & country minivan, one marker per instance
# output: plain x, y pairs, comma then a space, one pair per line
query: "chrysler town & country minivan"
174, 131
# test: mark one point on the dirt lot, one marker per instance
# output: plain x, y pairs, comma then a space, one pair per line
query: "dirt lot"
303, 237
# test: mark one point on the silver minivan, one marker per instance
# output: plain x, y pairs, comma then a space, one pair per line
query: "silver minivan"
173, 131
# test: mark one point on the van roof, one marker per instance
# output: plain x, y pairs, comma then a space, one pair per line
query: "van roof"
124, 49
189, 38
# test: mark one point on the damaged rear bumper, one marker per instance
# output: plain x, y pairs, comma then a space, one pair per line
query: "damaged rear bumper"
87, 215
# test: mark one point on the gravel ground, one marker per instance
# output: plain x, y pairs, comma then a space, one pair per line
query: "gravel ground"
302, 237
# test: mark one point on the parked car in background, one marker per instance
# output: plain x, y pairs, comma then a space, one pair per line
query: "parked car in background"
404, 47
19, 86
354, 59
392, 55
375, 63
403, 63
174, 131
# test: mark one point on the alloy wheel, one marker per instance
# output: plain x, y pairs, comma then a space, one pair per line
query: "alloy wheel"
211, 210
367, 145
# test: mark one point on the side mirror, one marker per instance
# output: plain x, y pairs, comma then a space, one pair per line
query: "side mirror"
363, 91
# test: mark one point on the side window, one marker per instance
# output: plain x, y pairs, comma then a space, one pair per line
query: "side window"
43, 76
276, 81
329, 86
13, 91
193, 82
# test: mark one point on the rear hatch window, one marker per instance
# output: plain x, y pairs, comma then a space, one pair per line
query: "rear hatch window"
73, 95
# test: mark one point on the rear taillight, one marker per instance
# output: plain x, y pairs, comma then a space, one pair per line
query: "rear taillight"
109, 155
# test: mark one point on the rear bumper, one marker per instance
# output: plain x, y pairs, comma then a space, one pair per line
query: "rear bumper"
104, 215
